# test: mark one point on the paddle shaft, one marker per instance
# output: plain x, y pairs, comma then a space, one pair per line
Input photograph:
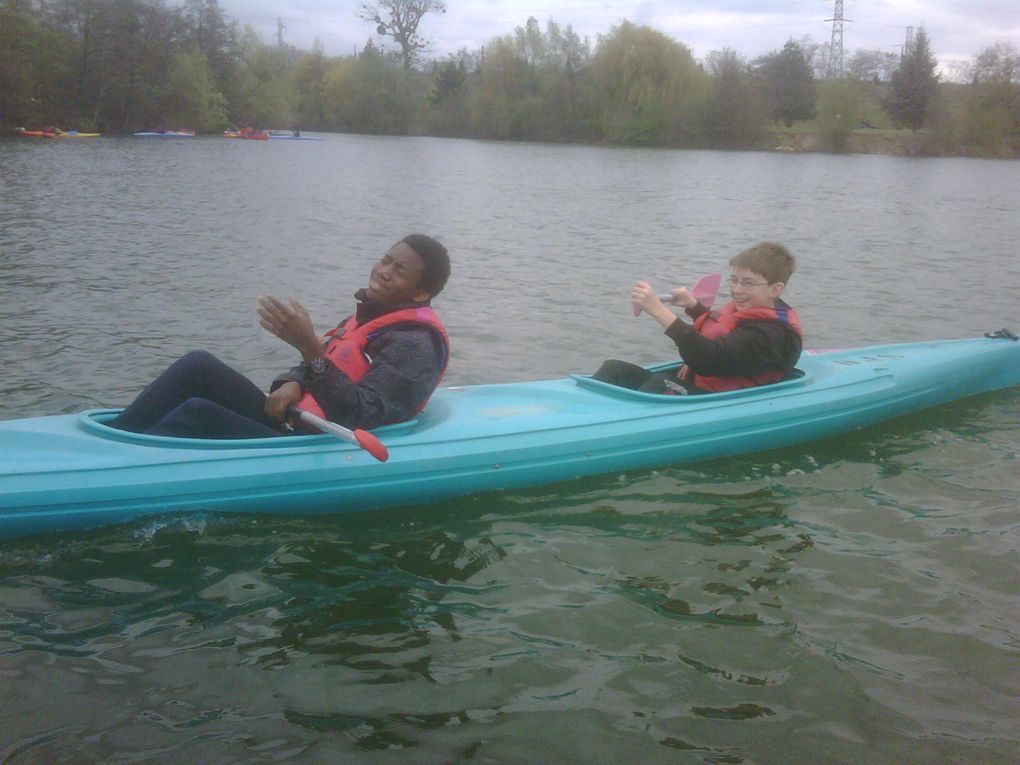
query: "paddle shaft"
704, 291
358, 437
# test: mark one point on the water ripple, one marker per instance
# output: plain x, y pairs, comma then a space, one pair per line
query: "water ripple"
854, 596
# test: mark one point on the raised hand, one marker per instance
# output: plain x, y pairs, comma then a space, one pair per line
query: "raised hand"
682, 297
643, 296
291, 323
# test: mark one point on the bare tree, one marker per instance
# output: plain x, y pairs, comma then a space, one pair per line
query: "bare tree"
399, 19
872, 65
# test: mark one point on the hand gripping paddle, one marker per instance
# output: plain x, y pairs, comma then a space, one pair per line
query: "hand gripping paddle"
704, 291
359, 437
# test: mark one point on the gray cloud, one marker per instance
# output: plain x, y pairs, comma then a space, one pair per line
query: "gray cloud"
958, 29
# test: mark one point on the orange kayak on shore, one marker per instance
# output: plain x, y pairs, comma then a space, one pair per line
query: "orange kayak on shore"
247, 134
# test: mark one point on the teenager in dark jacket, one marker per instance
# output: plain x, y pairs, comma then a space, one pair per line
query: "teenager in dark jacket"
377, 367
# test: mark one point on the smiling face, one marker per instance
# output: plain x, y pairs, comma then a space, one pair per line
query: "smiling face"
396, 278
751, 290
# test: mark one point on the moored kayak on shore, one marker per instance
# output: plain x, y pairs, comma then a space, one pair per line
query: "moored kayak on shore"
286, 135
70, 471
55, 134
247, 134
165, 133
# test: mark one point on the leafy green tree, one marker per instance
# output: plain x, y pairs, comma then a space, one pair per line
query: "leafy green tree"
265, 94
840, 106
992, 121
191, 96
208, 29
449, 83
913, 86
399, 19
735, 114
448, 98
370, 94
132, 49
567, 83
789, 84
309, 85
22, 46
107, 66
649, 86
530, 43
533, 85
506, 84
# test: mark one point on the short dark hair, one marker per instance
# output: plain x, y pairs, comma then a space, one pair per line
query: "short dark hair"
436, 260
771, 260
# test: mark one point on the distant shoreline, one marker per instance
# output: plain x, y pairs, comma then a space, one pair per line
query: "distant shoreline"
897, 144
902, 144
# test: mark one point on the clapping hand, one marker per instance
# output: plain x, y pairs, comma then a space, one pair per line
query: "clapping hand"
291, 323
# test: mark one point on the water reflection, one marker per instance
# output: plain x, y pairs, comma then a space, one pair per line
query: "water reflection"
759, 609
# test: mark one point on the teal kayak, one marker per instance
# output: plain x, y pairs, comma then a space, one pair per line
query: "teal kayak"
72, 471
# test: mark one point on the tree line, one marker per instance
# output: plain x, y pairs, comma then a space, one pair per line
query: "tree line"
117, 66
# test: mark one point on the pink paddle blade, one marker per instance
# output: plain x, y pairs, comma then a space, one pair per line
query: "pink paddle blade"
704, 291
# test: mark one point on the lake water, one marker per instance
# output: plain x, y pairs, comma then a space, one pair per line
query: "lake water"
852, 600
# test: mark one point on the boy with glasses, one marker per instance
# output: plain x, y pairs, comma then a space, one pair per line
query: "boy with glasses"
753, 340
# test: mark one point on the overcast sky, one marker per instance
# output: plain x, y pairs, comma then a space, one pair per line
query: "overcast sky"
957, 29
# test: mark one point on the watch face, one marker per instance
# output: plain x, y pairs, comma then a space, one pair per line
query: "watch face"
318, 366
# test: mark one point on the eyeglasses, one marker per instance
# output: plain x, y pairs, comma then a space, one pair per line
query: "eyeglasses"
747, 284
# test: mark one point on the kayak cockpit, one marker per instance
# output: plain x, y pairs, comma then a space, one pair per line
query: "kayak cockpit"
798, 378
94, 421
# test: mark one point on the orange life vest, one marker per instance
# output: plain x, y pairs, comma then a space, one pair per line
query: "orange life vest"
345, 345
715, 324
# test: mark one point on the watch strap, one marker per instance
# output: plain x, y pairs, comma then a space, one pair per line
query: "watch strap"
318, 365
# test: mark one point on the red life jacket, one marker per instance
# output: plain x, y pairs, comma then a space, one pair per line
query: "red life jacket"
345, 346
715, 324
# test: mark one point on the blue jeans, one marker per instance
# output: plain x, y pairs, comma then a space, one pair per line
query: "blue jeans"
199, 396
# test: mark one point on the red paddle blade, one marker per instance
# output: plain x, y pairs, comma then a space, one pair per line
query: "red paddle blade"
706, 289
372, 445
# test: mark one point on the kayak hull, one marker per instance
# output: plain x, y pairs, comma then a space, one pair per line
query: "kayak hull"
165, 134
72, 471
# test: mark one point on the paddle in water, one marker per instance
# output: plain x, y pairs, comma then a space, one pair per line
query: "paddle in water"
358, 437
704, 291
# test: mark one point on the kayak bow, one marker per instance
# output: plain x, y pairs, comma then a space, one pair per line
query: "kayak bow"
70, 471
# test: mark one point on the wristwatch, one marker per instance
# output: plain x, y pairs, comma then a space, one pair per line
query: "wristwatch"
318, 365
